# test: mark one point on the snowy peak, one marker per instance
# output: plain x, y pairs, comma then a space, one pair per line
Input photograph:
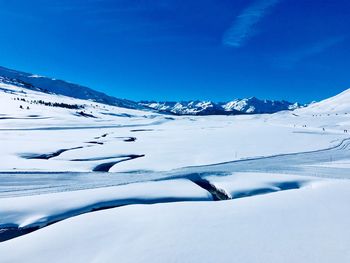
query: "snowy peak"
238, 106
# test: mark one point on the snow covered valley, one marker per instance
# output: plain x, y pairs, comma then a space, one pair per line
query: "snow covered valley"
82, 181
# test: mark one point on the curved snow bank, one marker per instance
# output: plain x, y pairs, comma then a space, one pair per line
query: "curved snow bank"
41, 210
307, 225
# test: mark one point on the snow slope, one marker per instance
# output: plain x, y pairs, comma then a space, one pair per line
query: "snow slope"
337, 104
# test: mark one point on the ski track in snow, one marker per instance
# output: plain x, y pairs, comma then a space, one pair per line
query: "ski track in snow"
91, 127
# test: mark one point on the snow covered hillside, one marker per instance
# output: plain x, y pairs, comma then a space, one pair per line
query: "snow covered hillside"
50, 85
105, 183
337, 104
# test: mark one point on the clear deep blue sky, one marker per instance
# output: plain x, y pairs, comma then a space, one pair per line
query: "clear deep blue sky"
183, 49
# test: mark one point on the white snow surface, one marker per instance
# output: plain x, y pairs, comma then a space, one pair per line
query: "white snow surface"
287, 175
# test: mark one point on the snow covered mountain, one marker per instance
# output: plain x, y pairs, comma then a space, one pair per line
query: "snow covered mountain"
237, 106
50, 85
60, 87
254, 105
189, 108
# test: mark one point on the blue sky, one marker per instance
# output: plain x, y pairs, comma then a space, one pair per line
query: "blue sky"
182, 49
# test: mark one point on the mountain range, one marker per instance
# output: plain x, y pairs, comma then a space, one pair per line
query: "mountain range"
238, 106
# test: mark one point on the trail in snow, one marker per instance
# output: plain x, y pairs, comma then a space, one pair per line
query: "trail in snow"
28, 183
296, 163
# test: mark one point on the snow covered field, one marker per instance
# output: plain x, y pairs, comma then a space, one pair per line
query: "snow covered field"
306, 225
248, 188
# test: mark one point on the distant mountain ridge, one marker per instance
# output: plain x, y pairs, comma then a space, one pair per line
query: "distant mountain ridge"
196, 107
234, 107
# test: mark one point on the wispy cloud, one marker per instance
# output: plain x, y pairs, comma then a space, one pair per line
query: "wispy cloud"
292, 58
242, 28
